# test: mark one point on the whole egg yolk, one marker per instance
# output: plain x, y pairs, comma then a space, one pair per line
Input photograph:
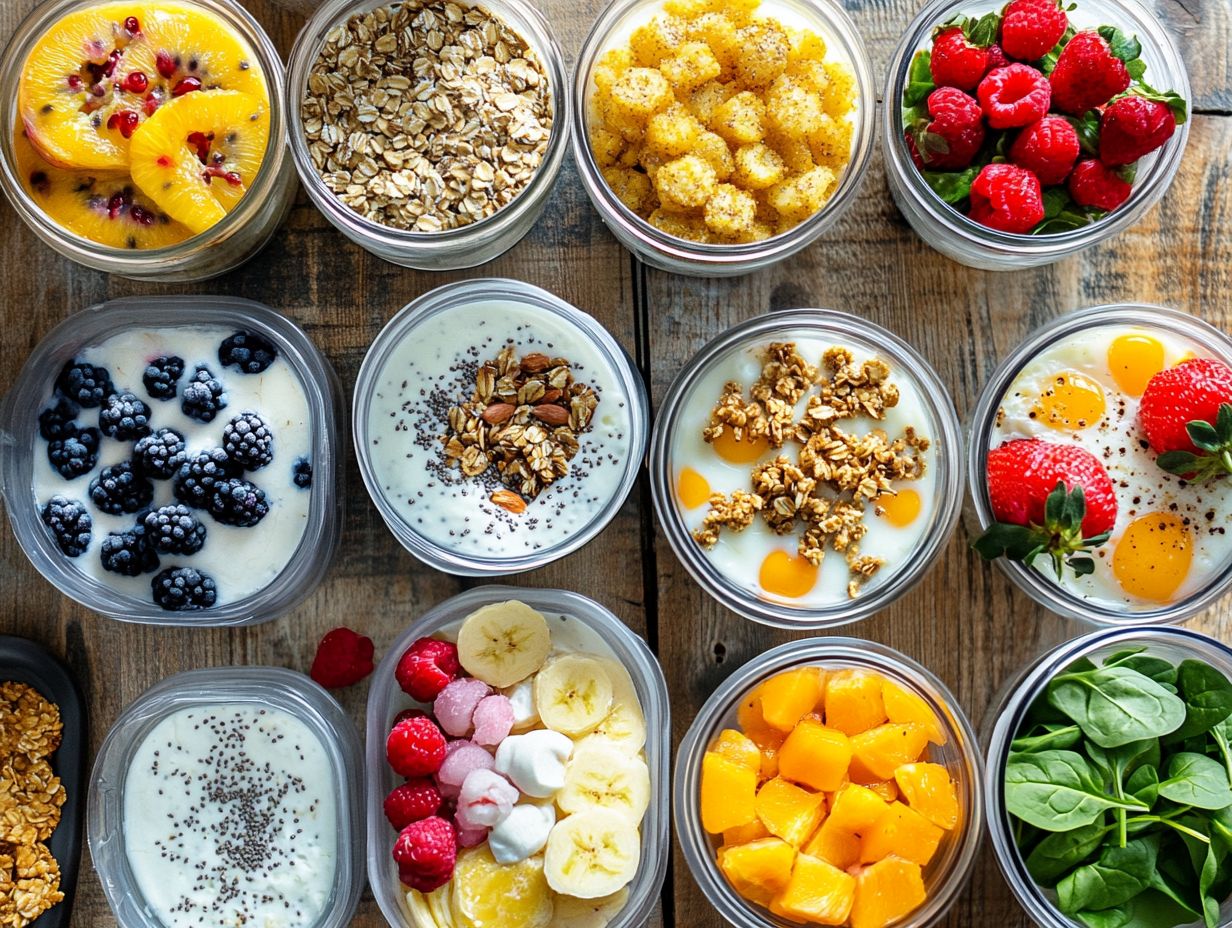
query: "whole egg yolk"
692, 488
787, 575
1073, 401
739, 452
902, 508
1134, 359
1153, 556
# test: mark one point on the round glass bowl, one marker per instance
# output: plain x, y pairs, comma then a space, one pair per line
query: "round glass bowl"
947, 873
233, 240
973, 244
681, 256
1036, 581
1005, 717
450, 249
251, 688
21, 448
386, 699
943, 457
400, 412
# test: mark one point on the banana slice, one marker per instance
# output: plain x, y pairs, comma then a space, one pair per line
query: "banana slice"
601, 775
588, 913
625, 725
440, 907
593, 854
573, 694
421, 915
504, 643
491, 895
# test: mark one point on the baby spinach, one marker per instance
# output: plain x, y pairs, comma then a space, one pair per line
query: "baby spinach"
1208, 698
1116, 705
1117, 876
1047, 738
1196, 780
1061, 851
1057, 791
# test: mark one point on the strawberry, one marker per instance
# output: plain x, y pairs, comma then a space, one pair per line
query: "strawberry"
1186, 415
343, 658
1030, 28
1047, 499
1089, 73
952, 136
1096, 185
411, 802
426, 852
956, 62
1131, 127
427, 667
415, 747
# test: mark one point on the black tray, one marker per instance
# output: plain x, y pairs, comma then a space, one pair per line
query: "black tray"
26, 662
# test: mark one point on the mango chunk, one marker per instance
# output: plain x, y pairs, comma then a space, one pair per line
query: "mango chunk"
789, 812
886, 789
746, 834
853, 701
817, 892
884, 749
738, 748
816, 756
929, 790
729, 791
907, 708
788, 697
885, 892
760, 870
770, 742
834, 845
856, 809
901, 832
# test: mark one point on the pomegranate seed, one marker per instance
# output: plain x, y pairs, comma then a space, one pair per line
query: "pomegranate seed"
187, 85
132, 25
165, 64
136, 82
142, 215
231, 177
201, 142
112, 60
126, 121
151, 104
74, 82
115, 205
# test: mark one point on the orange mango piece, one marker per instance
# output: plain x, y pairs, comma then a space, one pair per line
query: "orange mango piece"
853, 701
817, 892
885, 892
748, 714
760, 870
929, 790
884, 749
886, 789
729, 791
901, 832
788, 697
834, 845
789, 812
856, 809
769, 741
816, 756
738, 748
907, 708
745, 834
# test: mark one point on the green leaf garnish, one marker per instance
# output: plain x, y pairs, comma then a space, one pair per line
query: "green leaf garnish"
1214, 443
1060, 537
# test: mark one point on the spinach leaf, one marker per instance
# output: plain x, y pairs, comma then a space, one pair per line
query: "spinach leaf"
1163, 883
1117, 876
1160, 670
1206, 879
1221, 828
919, 79
1208, 698
1116, 705
1222, 735
1060, 852
952, 186
1196, 780
1057, 791
1143, 784
1052, 738
1151, 909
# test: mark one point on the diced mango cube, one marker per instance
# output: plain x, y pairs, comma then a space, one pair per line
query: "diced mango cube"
789, 812
792, 110
816, 756
905, 707
800, 196
758, 166
929, 790
886, 892
856, 809
886, 789
631, 187
901, 832
887, 747
834, 844
656, 40
730, 212
672, 132
692, 65
728, 794
763, 52
746, 834
687, 227
817, 892
853, 701
769, 741
789, 696
641, 92
759, 870
741, 119
738, 747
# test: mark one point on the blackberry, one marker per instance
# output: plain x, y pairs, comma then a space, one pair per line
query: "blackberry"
160, 455
301, 473
184, 589
57, 422
250, 352
119, 489
75, 454
174, 530
162, 377
204, 395
194, 482
84, 383
238, 502
69, 523
248, 441
129, 552
124, 417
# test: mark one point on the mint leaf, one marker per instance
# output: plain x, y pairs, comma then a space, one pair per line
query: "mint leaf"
983, 31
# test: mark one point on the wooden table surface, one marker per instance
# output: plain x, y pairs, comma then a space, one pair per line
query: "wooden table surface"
965, 621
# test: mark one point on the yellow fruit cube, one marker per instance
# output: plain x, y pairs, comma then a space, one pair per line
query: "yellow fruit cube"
763, 52
789, 696
769, 741
886, 789
792, 110
929, 790
840, 96
856, 809
758, 166
720, 34
853, 701
886, 892
816, 756
796, 154
789, 812
687, 227
756, 232
834, 845
830, 141
745, 834
806, 45
730, 211
631, 187
641, 92
901, 832
738, 747
887, 747
712, 147
610, 66
673, 132
685, 182
656, 40
607, 146
817, 892
905, 707
741, 119
728, 794
748, 714
800, 196
693, 65
811, 75
759, 870
708, 97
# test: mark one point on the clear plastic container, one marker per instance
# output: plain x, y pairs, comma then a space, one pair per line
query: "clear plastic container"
233, 240
680, 256
944, 458
453, 296
947, 873
386, 700
975, 245
1006, 714
451, 249
20, 443
262, 687
978, 517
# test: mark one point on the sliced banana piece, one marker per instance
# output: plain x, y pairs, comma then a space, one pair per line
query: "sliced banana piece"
573, 694
592, 854
504, 643
440, 905
588, 913
625, 724
601, 775
421, 915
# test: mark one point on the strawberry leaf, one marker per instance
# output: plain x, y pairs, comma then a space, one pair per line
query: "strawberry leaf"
1173, 100
1060, 537
952, 186
1123, 46
1049, 61
1214, 443
1087, 127
1204, 435
1136, 68
1062, 214
983, 31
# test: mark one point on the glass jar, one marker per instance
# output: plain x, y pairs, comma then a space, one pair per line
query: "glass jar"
449, 249
699, 259
944, 459
1031, 580
975, 245
944, 877
233, 240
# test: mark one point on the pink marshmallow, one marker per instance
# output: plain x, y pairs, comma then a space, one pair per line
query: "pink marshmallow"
459, 764
493, 720
486, 800
456, 704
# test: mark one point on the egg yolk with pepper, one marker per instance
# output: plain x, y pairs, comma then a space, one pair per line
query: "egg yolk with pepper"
1153, 556
1133, 359
787, 575
1072, 402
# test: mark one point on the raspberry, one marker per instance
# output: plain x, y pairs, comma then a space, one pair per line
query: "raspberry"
427, 667
1096, 185
1132, 127
955, 61
1016, 95
57, 421
160, 455
1087, 74
162, 376
237, 502
174, 530
415, 747
249, 352
248, 441
996, 57
413, 801
128, 553
184, 589
426, 852
1030, 29
1048, 147
204, 395
84, 384
1008, 198
343, 658
952, 138
119, 489
69, 523
75, 454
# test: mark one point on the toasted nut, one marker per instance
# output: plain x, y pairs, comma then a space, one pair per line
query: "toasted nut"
509, 500
497, 413
536, 363
551, 414
551, 396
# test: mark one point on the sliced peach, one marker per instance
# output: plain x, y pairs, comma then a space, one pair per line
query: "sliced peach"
817, 892
901, 832
789, 812
728, 792
884, 749
929, 790
833, 844
759, 870
815, 755
853, 701
886, 892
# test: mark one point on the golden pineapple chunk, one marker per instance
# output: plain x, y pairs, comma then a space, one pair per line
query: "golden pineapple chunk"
792, 110
730, 212
840, 96
607, 146
806, 45
757, 167
689, 228
712, 147
685, 183
763, 52
656, 40
631, 187
812, 74
610, 66
830, 142
800, 196
673, 132
796, 154
721, 34
708, 97
641, 92
692, 65
740, 120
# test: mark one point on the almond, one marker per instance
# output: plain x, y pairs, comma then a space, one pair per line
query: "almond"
536, 363
550, 414
551, 396
497, 413
509, 500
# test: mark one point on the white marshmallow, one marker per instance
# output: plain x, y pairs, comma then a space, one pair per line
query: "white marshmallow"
523, 834
535, 761
522, 697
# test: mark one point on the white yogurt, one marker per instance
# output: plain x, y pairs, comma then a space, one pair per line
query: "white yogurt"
230, 819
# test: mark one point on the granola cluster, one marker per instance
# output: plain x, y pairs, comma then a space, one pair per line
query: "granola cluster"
824, 490
522, 420
31, 797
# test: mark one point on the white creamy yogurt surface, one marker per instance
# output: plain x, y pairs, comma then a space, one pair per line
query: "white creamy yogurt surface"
230, 819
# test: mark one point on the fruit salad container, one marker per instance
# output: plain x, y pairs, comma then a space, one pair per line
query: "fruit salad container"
1018, 726
969, 242
1082, 382
689, 471
749, 248
599, 628
313, 505
149, 244
124, 787
859, 682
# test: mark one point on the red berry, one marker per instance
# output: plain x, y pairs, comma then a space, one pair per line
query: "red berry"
955, 61
1132, 127
1087, 74
141, 215
136, 82
165, 64
126, 121
412, 801
343, 657
996, 57
415, 747
953, 136
1192, 391
74, 83
913, 150
186, 85
1031, 28
150, 104
1008, 198
1048, 147
427, 667
131, 25
1013, 96
1096, 185
426, 852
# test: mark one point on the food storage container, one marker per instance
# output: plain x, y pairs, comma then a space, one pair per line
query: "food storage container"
450, 249
680, 256
978, 517
386, 700
20, 444
971, 243
944, 458
233, 240
947, 873
256, 687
